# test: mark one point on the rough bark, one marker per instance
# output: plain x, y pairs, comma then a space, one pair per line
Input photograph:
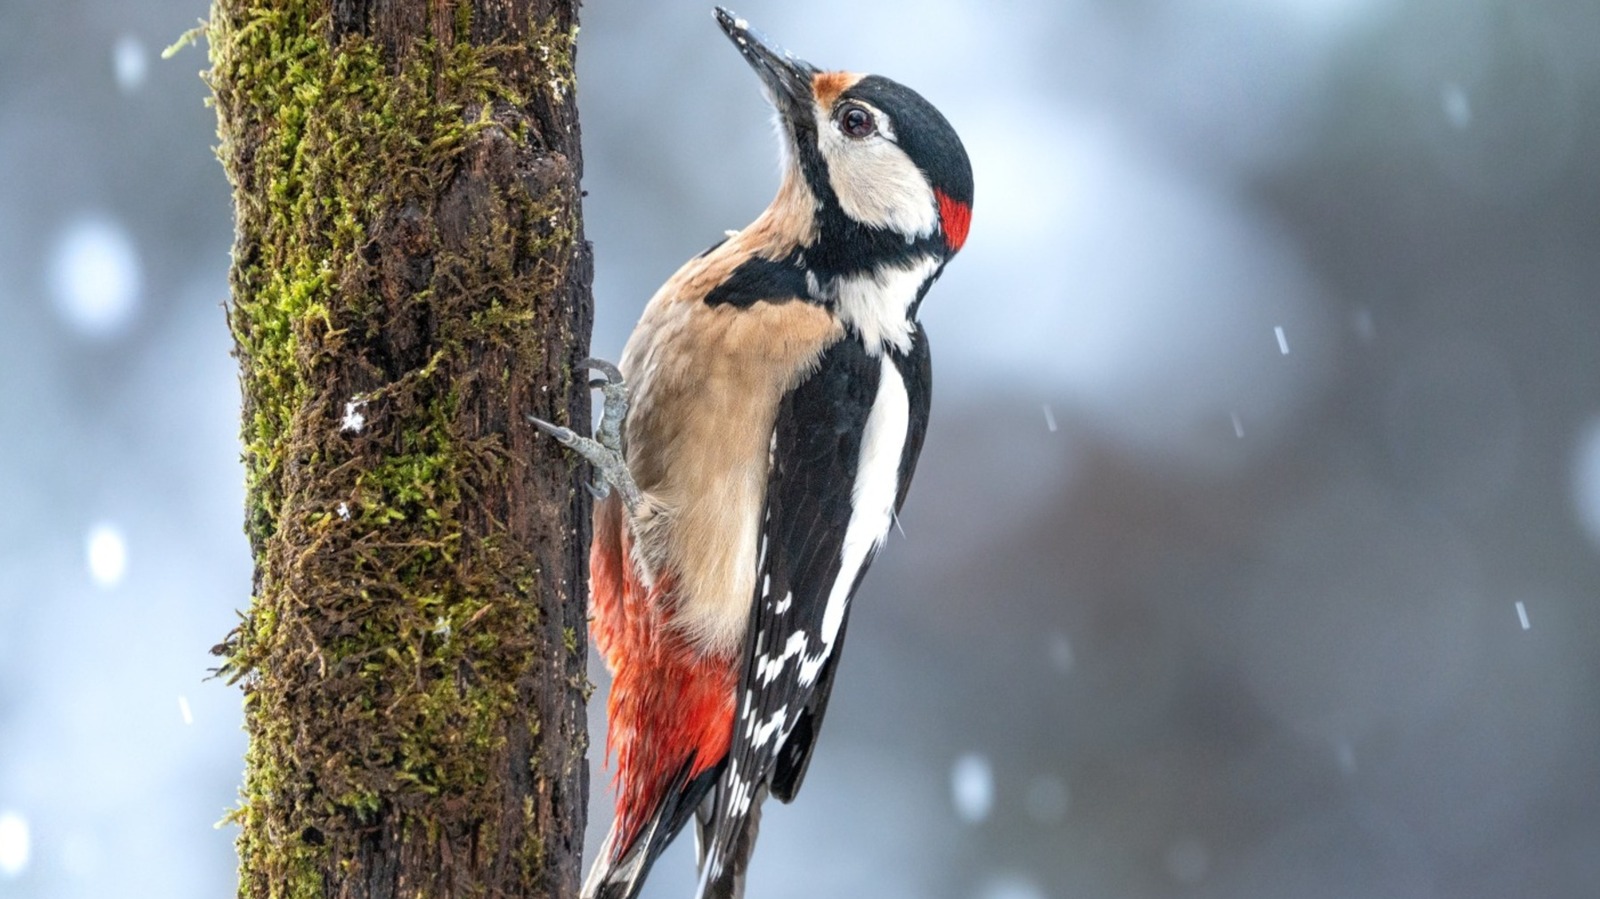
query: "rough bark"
410, 280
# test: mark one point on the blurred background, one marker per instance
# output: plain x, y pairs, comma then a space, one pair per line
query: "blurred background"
1255, 550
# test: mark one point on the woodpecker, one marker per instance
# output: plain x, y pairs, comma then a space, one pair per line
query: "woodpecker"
760, 436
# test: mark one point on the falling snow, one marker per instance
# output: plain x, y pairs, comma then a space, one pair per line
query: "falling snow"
184, 711
1283, 341
1049, 418
1238, 426
972, 788
1522, 614
107, 555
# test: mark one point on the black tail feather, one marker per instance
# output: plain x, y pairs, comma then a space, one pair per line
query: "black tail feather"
728, 864
621, 874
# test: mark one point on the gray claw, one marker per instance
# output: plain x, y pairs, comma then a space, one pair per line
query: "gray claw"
611, 372
563, 435
604, 450
615, 390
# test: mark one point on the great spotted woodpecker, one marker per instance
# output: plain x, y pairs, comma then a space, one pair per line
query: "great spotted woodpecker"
777, 392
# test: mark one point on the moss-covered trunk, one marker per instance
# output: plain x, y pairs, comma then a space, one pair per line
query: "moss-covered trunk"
410, 280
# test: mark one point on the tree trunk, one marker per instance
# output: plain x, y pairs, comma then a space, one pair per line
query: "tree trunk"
410, 280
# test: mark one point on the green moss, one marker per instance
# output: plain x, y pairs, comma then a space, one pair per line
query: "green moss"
553, 46
532, 858
390, 629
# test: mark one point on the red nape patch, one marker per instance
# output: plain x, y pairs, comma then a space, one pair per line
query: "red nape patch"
955, 216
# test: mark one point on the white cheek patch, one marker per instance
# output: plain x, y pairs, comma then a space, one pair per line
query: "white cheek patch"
876, 182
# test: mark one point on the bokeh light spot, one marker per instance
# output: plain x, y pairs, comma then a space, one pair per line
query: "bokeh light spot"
94, 274
15, 844
1586, 480
972, 788
131, 62
1061, 656
1011, 887
1457, 108
108, 555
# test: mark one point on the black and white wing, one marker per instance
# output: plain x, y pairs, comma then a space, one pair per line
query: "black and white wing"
844, 448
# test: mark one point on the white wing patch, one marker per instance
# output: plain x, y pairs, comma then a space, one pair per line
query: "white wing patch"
872, 502
786, 672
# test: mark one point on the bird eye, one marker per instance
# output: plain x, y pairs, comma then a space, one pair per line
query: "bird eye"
856, 121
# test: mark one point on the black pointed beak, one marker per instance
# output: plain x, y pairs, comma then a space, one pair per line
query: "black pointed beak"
787, 80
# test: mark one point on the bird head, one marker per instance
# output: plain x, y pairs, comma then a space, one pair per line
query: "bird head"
879, 163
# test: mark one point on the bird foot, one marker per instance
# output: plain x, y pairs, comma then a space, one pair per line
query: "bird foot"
615, 391
604, 450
